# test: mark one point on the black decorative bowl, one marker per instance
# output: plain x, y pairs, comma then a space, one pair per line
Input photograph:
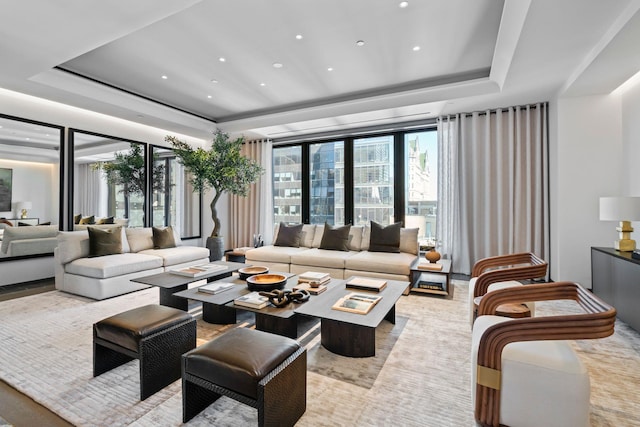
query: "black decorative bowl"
266, 282
247, 272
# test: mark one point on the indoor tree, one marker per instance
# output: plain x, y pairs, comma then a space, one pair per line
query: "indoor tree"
222, 168
127, 171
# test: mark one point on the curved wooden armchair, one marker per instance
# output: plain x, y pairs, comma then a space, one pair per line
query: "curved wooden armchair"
521, 266
597, 321
507, 271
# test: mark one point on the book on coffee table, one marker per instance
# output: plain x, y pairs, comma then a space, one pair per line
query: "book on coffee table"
252, 300
215, 288
366, 284
429, 266
307, 287
356, 303
314, 277
198, 270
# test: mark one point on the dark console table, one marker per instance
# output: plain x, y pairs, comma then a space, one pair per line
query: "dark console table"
616, 279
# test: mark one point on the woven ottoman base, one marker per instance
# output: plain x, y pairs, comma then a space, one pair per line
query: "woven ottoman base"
154, 334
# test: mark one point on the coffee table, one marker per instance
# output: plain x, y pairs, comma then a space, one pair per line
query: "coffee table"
352, 334
170, 283
220, 308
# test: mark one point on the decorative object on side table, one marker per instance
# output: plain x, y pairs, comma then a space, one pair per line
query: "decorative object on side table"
222, 168
432, 256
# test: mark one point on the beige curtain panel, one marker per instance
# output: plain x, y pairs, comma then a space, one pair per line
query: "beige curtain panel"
493, 192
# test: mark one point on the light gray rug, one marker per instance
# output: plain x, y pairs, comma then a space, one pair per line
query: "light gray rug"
419, 377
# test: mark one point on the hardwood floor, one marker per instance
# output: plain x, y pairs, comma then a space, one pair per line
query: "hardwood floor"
16, 408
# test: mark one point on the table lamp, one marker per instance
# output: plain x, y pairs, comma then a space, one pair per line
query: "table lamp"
23, 207
624, 210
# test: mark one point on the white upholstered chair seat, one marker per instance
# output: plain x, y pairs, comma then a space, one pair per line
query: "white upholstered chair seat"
544, 383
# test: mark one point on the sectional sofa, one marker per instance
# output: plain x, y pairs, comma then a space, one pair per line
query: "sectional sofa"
357, 260
106, 276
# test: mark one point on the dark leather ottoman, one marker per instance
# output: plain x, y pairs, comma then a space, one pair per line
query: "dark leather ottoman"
154, 334
259, 369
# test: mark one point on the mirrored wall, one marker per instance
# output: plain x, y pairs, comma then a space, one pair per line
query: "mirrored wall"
110, 185
174, 201
31, 161
109, 182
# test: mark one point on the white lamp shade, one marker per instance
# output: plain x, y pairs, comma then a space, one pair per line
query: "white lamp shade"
620, 208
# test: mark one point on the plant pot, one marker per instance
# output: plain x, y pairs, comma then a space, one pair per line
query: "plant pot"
216, 248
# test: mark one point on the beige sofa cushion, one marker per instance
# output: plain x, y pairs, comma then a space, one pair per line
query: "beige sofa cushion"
139, 238
317, 237
322, 258
112, 265
381, 262
26, 233
355, 237
178, 255
409, 240
279, 254
72, 245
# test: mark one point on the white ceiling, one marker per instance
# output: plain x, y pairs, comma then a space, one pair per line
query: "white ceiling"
473, 55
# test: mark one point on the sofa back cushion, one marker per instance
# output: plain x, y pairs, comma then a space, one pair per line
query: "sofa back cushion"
26, 233
72, 245
355, 237
317, 237
409, 240
104, 241
139, 239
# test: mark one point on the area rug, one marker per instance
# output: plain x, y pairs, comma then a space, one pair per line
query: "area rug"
420, 375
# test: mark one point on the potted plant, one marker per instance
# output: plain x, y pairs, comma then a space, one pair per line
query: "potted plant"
221, 168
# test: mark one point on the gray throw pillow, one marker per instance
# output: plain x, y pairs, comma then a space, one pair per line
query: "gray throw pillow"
104, 241
289, 235
163, 238
336, 239
385, 239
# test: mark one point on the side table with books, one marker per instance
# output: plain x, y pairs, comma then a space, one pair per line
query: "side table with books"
430, 278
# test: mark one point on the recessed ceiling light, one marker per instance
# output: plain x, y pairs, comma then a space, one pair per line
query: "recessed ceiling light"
299, 36
416, 48
403, 4
360, 43
165, 77
277, 65
28, 139
330, 69
214, 81
209, 96
222, 59
263, 84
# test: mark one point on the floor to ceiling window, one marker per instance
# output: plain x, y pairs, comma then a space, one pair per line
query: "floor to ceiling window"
373, 180
287, 184
327, 183
384, 178
421, 189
